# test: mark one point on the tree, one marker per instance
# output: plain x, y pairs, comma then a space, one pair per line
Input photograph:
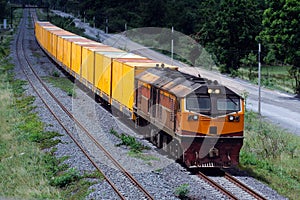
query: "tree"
153, 13
249, 61
281, 33
229, 30
3, 4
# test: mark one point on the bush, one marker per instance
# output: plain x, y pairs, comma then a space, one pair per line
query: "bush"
55, 73
182, 191
65, 179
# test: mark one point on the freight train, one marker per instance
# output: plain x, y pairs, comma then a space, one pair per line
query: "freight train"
195, 120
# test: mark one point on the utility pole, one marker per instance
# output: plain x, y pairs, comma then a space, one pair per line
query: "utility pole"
125, 36
94, 21
259, 80
172, 45
106, 28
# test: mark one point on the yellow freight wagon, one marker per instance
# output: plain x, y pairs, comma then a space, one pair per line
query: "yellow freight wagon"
68, 49
40, 30
46, 36
53, 38
88, 62
103, 63
37, 29
56, 35
61, 47
76, 57
124, 71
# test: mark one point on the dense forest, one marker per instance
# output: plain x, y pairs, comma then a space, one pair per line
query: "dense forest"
229, 29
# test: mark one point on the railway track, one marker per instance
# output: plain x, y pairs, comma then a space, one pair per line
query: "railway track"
231, 187
46, 96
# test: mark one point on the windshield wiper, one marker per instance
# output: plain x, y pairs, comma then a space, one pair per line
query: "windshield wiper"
235, 103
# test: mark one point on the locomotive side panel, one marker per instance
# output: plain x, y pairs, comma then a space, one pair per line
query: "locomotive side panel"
168, 109
157, 106
142, 98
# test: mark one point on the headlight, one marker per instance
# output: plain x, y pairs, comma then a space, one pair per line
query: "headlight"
232, 118
193, 117
213, 91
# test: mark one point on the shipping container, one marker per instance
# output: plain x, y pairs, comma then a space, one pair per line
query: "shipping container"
58, 43
51, 43
77, 53
61, 48
124, 71
88, 60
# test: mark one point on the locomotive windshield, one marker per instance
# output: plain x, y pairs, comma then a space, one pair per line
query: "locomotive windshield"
198, 103
213, 105
228, 104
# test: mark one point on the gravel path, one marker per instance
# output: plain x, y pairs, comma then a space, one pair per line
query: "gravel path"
159, 175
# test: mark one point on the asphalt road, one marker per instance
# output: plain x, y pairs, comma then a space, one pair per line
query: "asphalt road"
279, 108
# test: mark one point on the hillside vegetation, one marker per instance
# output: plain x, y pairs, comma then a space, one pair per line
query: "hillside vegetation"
230, 30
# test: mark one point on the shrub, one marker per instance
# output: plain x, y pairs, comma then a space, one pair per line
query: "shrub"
182, 191
66, 178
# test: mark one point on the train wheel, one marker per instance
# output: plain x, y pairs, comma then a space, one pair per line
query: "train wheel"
152, 136
165, 143
175, 149
159, 140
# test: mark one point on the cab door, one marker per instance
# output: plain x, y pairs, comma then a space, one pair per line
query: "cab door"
154, 95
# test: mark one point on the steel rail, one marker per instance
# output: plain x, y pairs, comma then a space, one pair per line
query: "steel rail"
243, 186
217, 186
78, 123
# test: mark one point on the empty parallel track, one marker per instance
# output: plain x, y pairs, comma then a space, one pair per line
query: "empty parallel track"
45, 94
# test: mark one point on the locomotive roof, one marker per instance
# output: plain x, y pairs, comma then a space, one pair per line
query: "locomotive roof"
178, 83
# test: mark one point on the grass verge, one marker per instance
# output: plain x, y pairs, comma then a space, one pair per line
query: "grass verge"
63, 83
135, 147
271, 155
22, 163
273, 77
26, 171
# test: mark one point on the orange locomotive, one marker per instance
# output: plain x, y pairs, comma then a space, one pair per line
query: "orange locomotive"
195, 120
200, 121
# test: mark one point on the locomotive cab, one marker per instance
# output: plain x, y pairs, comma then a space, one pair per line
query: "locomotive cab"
215, 104
213, 116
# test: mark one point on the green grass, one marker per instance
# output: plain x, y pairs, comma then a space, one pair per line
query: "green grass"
22, 169
271, 155
129, 141
61, 82
273, 77
135, 148
26, 171
182, 191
